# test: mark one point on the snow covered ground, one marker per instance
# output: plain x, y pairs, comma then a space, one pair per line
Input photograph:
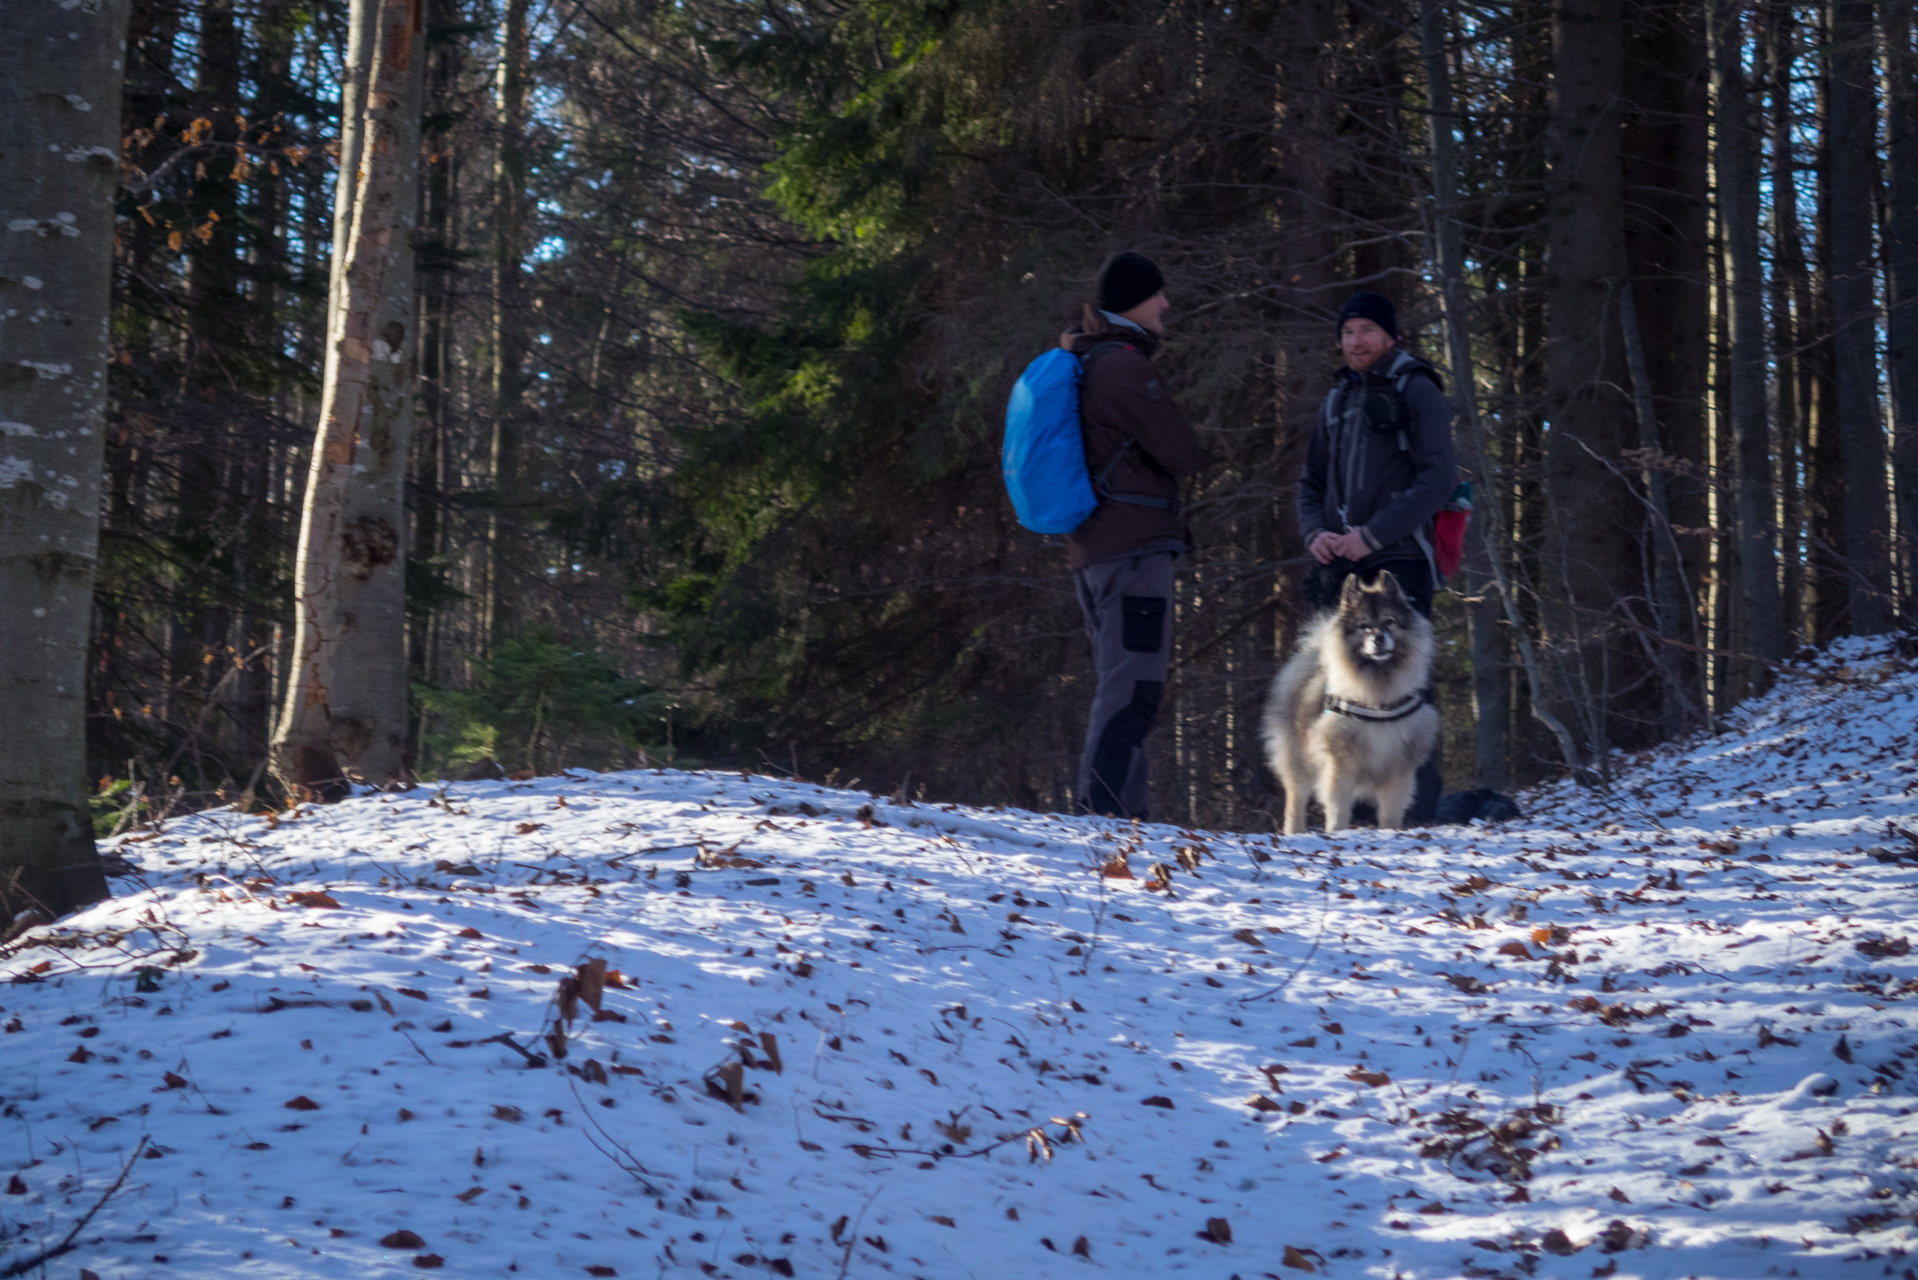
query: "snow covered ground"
1660, 1032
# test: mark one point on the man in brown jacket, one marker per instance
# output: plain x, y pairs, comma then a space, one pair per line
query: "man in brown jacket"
1137, 446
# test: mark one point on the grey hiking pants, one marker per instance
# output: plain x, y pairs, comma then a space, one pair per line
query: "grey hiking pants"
1127, 604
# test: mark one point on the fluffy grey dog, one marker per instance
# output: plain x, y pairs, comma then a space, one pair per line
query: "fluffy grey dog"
1348, 718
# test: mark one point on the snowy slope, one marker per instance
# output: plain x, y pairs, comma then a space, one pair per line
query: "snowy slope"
1661, 1032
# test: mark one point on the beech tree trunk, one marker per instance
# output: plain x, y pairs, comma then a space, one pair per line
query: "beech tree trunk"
1852, 129
346, 559
369, 685
1753, 498
61, 70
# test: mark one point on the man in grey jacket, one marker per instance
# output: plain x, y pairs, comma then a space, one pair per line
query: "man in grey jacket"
1380, 462
1377, 470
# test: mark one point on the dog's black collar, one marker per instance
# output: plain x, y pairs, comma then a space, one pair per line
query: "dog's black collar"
1362, 711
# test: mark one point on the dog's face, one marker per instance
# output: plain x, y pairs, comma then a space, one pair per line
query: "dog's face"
1374, 619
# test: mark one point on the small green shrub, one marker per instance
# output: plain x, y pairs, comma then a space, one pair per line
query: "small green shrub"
540, 703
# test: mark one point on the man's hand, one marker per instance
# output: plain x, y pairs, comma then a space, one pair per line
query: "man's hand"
1327, 547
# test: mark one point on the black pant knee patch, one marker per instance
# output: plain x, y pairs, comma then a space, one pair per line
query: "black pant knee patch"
1142, 623
1123, 734
1146, 697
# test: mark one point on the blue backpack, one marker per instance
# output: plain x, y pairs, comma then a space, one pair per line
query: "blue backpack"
1044, 458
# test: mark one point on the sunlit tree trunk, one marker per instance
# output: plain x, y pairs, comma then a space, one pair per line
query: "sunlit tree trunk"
1901, 287
61, 68
343, 547
369, 686
1788, 309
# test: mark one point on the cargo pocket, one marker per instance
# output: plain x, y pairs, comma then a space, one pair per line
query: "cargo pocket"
1142, 623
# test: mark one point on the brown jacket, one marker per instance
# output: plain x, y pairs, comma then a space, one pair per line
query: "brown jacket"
1124, 399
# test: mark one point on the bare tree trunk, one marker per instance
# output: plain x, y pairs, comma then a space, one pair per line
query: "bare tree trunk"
1852, 126
1753, 499
61, 69
1667, 163
1590, 558
337, 537
1671, 594
362, 41
1787, 278
506, 530
369, 686
1492, 599
1901, 289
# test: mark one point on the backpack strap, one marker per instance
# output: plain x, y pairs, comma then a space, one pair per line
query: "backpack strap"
1099, 481
1414, 368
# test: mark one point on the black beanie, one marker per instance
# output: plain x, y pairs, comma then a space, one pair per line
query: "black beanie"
1370, 306
1126, 280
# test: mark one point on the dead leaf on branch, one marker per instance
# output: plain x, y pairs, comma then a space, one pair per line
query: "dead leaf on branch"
592, 982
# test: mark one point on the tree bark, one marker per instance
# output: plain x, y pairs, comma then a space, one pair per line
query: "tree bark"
1484, 585
1901, 288
342, 547
1671, 591
369, 685
1852, 128
1667, 171
1829, 586
506, 567
1590, 557
1735, 158
61, 69
1788, 309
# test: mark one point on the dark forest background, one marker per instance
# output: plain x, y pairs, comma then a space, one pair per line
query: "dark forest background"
718, 305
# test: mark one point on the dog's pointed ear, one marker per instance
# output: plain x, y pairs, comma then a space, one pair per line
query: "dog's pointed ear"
1388, 586
1349, 593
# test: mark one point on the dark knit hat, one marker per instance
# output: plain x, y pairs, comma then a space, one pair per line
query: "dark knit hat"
1126, 280
1370, 306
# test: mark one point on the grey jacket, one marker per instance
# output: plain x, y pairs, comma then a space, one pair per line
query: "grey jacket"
1387, 485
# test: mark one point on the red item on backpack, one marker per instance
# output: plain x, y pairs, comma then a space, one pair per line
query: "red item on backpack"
1448, 530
